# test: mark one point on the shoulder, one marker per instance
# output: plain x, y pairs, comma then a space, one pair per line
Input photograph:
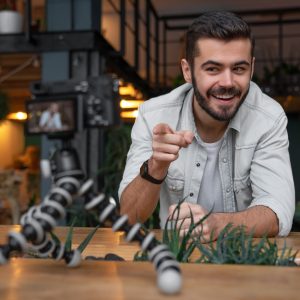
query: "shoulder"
261, 105
258, 115
165, 108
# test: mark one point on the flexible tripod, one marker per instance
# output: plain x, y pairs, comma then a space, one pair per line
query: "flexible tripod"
68, 183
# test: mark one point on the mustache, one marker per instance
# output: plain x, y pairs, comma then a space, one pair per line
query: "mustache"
224, 91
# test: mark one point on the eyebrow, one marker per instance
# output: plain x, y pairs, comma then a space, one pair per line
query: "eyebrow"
212, 62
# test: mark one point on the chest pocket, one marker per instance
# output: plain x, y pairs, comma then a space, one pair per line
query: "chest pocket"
242, 192
175, 188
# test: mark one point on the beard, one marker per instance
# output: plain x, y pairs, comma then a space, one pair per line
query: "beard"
224, 113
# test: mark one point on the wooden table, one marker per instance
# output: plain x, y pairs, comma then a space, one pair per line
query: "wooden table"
46, 279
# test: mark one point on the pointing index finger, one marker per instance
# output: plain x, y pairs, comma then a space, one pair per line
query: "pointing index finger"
162, 128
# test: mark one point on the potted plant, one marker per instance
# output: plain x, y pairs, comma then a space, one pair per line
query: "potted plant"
11, 20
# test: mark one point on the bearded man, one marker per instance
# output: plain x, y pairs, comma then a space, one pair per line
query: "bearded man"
218, 141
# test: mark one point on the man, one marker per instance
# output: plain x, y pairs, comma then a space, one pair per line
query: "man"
50, 119
217, 141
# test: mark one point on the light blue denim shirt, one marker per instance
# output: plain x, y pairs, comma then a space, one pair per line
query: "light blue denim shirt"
254, 161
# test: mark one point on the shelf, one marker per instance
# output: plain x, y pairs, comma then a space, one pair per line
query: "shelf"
74, 41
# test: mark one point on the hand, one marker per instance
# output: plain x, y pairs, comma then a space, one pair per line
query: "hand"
207, 229
167, 143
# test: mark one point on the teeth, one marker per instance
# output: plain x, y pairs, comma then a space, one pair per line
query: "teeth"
224, 96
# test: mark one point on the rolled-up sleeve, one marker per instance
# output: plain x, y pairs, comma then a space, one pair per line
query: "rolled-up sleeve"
271, 175
140, 150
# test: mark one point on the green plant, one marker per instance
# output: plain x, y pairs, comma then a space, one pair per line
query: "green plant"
178, 80
181, 247
69, 240
82, 217
233, 246
116, 148
154, 220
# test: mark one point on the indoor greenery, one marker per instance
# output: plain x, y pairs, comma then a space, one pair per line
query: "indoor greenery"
233, 246
83, 218
69, 240
118, 141
181, 247
281, 79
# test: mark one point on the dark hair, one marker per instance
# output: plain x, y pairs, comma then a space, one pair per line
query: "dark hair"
222, 25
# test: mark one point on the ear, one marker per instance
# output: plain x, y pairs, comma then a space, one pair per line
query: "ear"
252, 67
186, 70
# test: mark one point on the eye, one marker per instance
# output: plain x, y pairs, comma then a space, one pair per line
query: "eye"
212, 69
239, 70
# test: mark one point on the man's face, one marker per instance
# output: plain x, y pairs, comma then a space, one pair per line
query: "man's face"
54, 108
221, 76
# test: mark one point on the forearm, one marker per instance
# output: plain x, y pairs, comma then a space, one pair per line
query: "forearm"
140, 197
261, 219
139, 200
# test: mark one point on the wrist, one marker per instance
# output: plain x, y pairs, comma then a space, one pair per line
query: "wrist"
158, 169
145, 174
220, 220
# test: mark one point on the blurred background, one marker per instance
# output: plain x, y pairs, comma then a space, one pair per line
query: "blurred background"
45, 45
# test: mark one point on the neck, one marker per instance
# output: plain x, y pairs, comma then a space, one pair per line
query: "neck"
209, 129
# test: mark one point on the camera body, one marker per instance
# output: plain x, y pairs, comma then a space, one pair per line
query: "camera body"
61, 108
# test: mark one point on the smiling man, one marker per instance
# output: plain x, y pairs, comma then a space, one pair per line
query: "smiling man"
217, 141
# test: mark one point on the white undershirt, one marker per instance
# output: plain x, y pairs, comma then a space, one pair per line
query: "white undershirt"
210, 194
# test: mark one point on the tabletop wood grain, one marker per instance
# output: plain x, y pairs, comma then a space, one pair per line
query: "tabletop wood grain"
30, 279
106, 241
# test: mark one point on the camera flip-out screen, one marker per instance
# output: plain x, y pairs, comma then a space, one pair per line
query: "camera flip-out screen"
51, 116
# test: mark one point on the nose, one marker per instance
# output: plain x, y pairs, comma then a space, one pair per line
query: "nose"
226, 78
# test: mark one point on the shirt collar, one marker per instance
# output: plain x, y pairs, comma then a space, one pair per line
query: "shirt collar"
187, 117
236, 121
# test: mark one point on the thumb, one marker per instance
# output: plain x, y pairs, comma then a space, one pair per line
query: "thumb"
187, 135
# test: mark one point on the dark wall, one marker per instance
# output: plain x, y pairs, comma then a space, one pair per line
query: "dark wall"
294, 136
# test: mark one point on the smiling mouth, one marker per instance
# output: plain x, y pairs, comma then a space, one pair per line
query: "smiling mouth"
224, 97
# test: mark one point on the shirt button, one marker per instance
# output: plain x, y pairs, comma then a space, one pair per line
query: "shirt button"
198, 164
228, 190
224, 160
191, 194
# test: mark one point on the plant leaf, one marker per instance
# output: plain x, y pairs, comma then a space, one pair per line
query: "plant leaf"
55, 238
69, 238
87, 240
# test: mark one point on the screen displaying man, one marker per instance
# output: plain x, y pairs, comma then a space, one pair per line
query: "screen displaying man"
51, 118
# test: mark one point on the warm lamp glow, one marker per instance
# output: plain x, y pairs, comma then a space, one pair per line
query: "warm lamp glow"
129, 114
127, 90
130, 103
17, 116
